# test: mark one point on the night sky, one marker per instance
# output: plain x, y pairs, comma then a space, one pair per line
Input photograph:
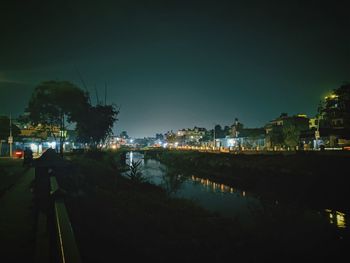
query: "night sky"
177, 64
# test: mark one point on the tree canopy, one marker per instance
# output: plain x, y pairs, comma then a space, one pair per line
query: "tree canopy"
124, 135
54, 102
170, 137
97, 124
291, 134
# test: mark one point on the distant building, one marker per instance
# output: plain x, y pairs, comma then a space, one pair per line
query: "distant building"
40, 137
190, 136
116, 141
334, 118
274, 129
334, 115
246, 139
313, 123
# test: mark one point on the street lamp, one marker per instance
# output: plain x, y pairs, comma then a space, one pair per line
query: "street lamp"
317, 132
214, 144
10, 139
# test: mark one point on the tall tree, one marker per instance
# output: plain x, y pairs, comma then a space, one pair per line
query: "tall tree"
55, 104
170, 137
124, 135
219, 132
208, 136
291, 135
227, 131
275, 136
97, 124
159, 136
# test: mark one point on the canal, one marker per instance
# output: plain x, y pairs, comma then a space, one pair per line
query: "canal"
226, 200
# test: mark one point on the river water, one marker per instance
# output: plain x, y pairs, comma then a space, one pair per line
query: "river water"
225, 200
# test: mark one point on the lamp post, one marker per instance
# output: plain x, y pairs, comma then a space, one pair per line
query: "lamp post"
214, 144
10, 139
214, 138
317, 132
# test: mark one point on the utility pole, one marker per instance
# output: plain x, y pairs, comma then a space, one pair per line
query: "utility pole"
10, 139
214, 137
105, 93
317, 132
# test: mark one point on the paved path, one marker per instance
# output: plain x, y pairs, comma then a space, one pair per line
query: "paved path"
16, 232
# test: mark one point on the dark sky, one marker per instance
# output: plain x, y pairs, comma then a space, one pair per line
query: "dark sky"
176, 64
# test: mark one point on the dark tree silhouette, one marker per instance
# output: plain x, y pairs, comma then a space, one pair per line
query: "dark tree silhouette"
55, 104
124, 135
97, 124
291, 134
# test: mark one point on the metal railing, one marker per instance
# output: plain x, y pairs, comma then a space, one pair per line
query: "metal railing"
66, 245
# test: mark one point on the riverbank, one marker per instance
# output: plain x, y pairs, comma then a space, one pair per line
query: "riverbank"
114, 218
313, 180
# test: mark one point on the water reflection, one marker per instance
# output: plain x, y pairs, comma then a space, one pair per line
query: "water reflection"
172, 181
131, 158
134, 157
216, 187
336, 218
216, 197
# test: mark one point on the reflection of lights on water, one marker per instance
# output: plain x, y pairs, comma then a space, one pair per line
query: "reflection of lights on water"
131, 156
337, 218
215, 186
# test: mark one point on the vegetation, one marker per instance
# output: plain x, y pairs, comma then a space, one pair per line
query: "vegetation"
170, 137
96, 124
208, 136
291, 135
172, 180
54, 104
135, 173
222, 133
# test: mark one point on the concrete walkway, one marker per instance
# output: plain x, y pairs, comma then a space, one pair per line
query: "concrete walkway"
16, 222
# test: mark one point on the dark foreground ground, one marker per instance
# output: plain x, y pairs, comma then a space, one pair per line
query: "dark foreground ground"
16, 218
115, 219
